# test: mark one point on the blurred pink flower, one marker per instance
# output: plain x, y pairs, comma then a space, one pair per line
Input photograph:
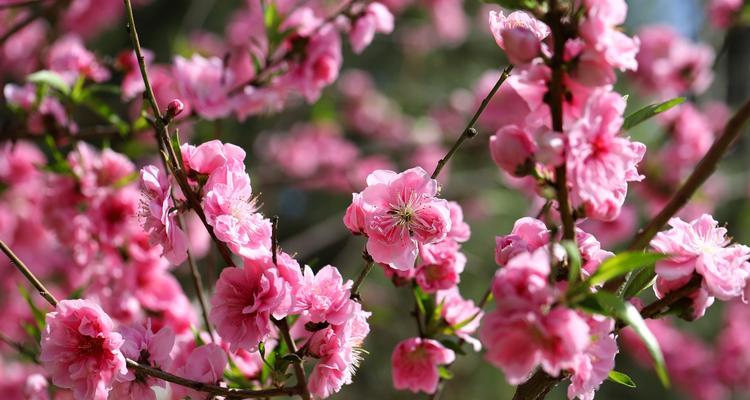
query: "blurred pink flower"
204, 83
415, 363
374, 18
519, 34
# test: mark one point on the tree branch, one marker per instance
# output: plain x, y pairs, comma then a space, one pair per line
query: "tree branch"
700, 174
151, 371
469, 131
162, 133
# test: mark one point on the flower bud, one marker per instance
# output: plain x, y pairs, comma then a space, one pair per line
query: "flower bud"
511, 147
174, 109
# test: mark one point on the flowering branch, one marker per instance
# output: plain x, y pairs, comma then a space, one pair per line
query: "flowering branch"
555, 101
283, 325
469, 132
362, 275
701, 173
162, 132
156, 372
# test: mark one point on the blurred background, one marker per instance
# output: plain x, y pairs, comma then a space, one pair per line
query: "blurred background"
401, 103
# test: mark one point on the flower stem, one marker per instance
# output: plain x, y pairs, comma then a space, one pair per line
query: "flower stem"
469, 131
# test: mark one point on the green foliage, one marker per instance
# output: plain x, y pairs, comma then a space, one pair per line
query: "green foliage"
650, 111
639, 282
627, 313
621, 264
622, 379
574, 260
50, 79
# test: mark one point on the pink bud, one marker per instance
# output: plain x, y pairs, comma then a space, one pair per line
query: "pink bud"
521, 45
510, 147
174, 109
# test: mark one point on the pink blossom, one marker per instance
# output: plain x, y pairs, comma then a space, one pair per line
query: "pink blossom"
518, 101
522, 285
440, 266
512, 148
203, 82
244, 302
149, 348
69, 58
339, 349
670, 65
607, 42
321, 64
157, 217
205, 364
415, 364
701, 246
600, 163
81, 350
461, 314
517, 344
460, 230
374, 18
519, 34
528, 234
401, 212
594, 365
36, 387
722, 13
210, 156
232, 212
324, 297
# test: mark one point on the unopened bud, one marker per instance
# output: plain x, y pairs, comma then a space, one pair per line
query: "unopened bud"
174, 109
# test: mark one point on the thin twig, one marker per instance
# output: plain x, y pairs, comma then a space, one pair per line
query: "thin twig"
20, 25
20, 4
28, 274
299, 371
162, 133
151, 371
362, 275
700, 174
469, 131
198, 285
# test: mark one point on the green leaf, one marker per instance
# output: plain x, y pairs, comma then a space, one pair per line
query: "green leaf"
639, 281
419, 297
622, 264
627, 313
51, 79
574, 260
622, 379
175, 143
650, 111
444, 372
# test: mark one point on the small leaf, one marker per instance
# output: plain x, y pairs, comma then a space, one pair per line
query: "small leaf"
622, 264
650, 111
622, 379
574, 260
639, 282
627, 313
444, 372
51, 79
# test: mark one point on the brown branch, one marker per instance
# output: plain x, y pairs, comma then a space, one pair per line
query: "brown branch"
162, 132
700, 174
369, 262
28, 274
151, 371
299, 371
469, 131
655, 308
